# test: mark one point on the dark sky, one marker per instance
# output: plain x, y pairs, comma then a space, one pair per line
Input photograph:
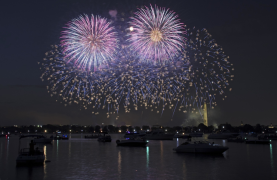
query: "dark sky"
246, 29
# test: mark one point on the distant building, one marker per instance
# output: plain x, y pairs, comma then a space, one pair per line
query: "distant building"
271, 126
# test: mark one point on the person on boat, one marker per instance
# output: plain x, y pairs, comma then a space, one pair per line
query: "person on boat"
32, 147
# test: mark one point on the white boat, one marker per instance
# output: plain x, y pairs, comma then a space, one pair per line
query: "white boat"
132, 142
200, 147
159, 135
25, 157
222, 135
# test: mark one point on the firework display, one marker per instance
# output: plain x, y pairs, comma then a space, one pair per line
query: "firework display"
89, 42
156, 34
187, 68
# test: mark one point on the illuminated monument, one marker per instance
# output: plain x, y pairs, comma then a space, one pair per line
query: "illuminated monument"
205, 119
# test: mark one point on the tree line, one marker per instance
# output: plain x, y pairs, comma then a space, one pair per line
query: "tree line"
49, 128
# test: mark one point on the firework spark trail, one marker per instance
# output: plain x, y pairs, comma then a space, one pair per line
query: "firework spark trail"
201, 72
157, 34
89, 42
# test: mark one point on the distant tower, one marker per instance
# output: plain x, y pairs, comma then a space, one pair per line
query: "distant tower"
205, 115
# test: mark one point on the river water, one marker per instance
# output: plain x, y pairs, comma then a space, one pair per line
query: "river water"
79, 158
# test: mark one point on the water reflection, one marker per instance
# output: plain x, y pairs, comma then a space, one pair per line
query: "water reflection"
69, 149
119, 163
147, 157
224, 143
45, 154
57, 147
177, 142
162, 152
272, 161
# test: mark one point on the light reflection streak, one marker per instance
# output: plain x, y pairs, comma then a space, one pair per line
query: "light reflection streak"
69, 149
44, 166
162, 152
57, 147
7, 142
119, 163
147, 157
272, 161
177, 142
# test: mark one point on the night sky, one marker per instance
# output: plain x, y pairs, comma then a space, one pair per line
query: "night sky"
246, 29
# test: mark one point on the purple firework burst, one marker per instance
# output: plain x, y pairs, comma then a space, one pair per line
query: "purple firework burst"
156, 34
89, 42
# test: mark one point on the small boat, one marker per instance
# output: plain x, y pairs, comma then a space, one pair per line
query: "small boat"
4, 135
184, 136
65, 137
268, 137
25, 157
132, 142
104, 138
258, 141
222, 135
42, 139
238, 139
38, 138
30, 156
159, 135
134, 134
60, 137
200, 147
93, 136
196, 134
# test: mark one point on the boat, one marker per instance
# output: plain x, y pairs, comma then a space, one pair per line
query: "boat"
132, 142
200, 147
42, 139
93, 136
268, 137
159, 135
184, 136
104, 138
65, 137
238, 139
4, 135
196, 134
134, 134
60, 137
222, 135
25, 157
38, 138
258, 141
30, 156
